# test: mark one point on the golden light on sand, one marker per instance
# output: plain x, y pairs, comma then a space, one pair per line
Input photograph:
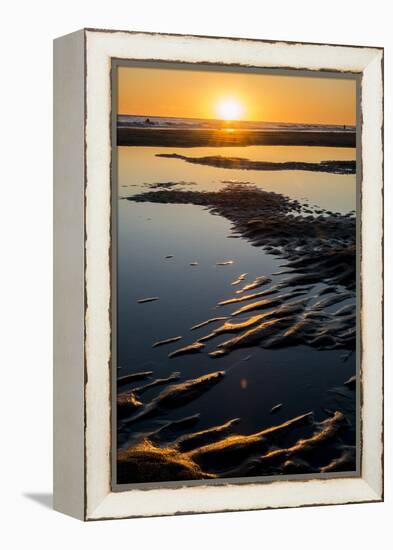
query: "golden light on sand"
229, 109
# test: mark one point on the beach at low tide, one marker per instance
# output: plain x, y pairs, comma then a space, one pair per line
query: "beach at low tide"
236, 298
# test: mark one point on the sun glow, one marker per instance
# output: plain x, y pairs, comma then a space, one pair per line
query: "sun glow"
229, 109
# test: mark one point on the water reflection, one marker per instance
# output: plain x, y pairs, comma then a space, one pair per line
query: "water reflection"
139, 165
157, 245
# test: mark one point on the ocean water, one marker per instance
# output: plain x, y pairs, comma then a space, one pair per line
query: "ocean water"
176, 123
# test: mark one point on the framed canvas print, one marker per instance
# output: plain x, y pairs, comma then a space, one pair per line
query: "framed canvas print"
218, 274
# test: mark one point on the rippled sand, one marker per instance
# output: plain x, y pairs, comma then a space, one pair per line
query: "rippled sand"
299, 445
310, 302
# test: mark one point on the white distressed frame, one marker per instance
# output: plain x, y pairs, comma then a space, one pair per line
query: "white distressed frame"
99, 501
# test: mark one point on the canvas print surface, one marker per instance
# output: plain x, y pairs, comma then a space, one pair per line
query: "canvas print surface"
236, 274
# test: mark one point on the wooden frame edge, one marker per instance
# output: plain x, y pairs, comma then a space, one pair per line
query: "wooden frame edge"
97, 50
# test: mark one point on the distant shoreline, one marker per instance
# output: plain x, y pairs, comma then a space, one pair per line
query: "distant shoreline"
149, 137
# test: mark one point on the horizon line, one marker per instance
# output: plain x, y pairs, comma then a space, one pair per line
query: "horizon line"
238, 120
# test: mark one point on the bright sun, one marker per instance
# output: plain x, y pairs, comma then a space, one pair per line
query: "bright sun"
229, 109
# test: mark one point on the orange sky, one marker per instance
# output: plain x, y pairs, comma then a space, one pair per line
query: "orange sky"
197, 94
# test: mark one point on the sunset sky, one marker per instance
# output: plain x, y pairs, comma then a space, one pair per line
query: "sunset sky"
245, 96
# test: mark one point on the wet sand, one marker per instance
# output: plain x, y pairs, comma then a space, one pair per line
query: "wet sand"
310, 302
221, 138
173, 452
236, 163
